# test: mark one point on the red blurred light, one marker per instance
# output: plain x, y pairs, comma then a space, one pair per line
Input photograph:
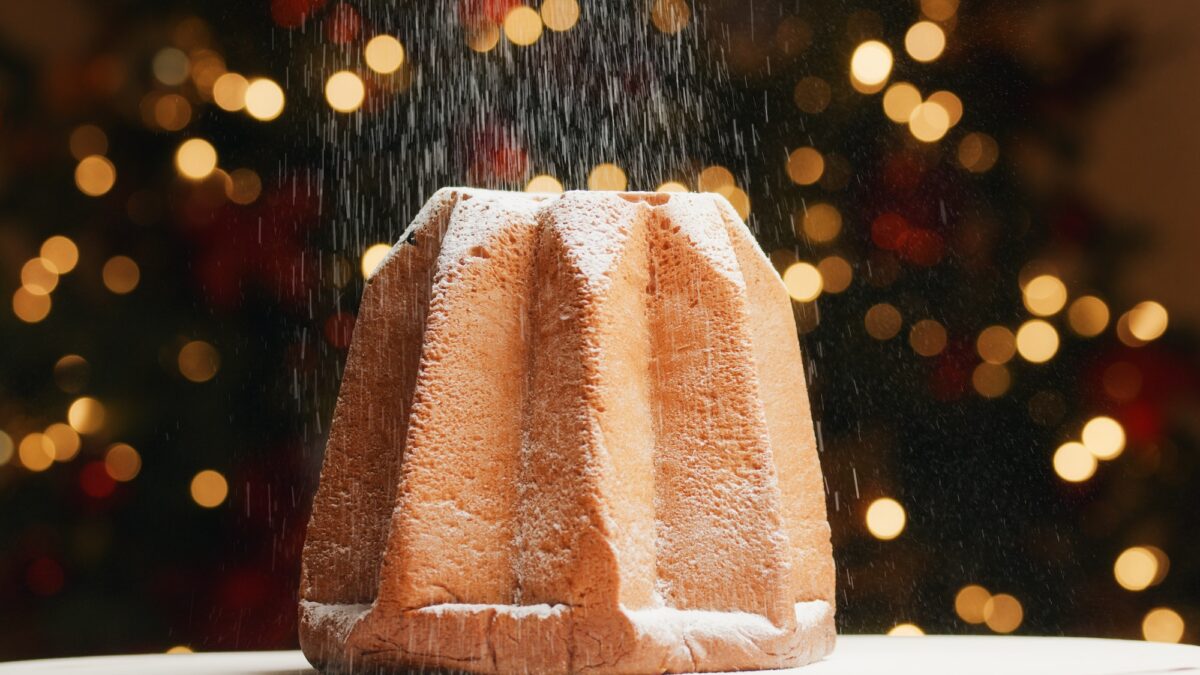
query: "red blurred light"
95, 481
44, 576
293, 13
922, 247
888, 231
339, 328
342, 24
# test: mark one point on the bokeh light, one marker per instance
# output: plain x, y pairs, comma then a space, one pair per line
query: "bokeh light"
927, 337
929, 122
978, 152
803, 282
1003, 613
61, 252
1088, 316
1073, 463
1044, 295
821, 222
544, 183
87, 140
969, 603
121, 274
670, 16
1037, 341
263, 99
939, 10
30, 307
812, 94
344, 91
671, 186
715, 179
171, 66
1103, 437
607, 176
991, 380
244, 186
560, 15
122, 462
36, 452
483, 36
39, 276
905, 630
95, 175
86, 415
871, 63
209, 488
886, 518
372, 257
883, 321
1163, 624
1136, 568
522, 25
229, 92
996, 344
805, 166
196, 158
925, 41
1148, 320
65, 440
951, 103
900, 100
836, 273
384, 54
199, 361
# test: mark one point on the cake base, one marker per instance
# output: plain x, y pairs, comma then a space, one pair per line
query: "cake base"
557, 639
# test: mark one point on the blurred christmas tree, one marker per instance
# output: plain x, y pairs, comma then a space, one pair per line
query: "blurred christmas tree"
182, 302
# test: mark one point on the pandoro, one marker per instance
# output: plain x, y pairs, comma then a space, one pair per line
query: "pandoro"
573, 435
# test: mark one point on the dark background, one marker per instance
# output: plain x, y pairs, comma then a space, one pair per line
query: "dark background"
225, 353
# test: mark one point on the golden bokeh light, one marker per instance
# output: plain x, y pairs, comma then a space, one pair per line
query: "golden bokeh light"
544, 183
925, 41
670, 16
122, 462
905, 630
71, 373
871, 63
1044, 295
991, 380
95, 175
671, 186
951, 103
607, 177
1037, 341
836, 274
39, 276
969, 603
820, 222
522, 25
120, 274
1147, 320
65, 440
883, 321
172, 112
86, 415
1104, 437
36, 452
209, 489
87, 140
560, 15
264, 99
243, 187
1163, 624
803, 282
372, 257
1073, 463
812, 94
929, 122
196, 158
180, 649
715, 179
170, 66
900, 100
384, 54
6, 448
1003, 613
1088, 316
739, 200
805, 166
483, 37
199, 361
996, 344
344, 91
60, 252
30, 307
886, 518
978, 152
927, 337
1136, 568
939, 10
229, 92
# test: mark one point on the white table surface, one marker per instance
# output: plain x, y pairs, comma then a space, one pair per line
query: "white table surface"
857, 654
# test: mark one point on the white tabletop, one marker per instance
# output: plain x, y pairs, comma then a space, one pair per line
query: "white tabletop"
858, 654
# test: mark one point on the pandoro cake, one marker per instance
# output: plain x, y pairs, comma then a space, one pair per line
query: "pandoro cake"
572, 436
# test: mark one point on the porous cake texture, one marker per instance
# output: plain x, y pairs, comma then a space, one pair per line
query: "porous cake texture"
572, 436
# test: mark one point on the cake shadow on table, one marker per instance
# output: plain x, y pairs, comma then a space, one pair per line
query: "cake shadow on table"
572, 435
